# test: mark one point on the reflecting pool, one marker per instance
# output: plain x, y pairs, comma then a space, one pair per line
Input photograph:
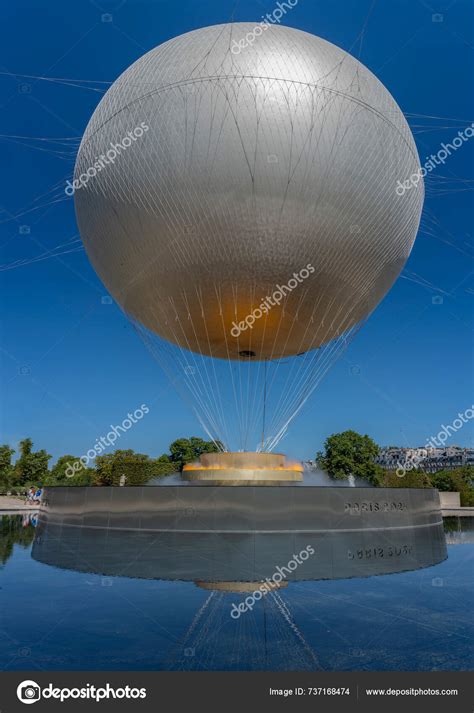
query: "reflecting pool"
79, 599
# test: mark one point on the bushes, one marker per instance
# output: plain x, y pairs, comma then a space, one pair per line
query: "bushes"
163, 466
130, 471
129, 468
458, 480
411, 479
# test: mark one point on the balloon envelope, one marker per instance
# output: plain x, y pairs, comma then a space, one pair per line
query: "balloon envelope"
252, 211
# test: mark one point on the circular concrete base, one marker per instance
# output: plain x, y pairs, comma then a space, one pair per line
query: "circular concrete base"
243, 469
223, 536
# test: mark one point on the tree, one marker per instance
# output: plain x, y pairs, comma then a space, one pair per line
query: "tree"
163, 466
442, 480
61, 473
123, 466
181, 452
458, 480
58, 474
187, 450
6, 467
103, 470
467, 473
31, 467
349, 453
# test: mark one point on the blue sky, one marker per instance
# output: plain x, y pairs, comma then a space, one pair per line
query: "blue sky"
71, 365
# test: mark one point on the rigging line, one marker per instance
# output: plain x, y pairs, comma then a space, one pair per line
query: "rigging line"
361, 35
197, 617
287, 616
239, 367
230, 369
418, 280
218, 402
54, 192
306, 392
318, 358
59, 140
264, 404
252, 413
326, 354
202, 405
74, 239
59, 80
298, 350
429, 116
202, 400
284, 393
254, 394
292, 408
311, 388
51, 202
255, 407
207, 386
52, 152
429, 215
173, 377
193, 389
197, 394
232, 101
3, 268
420, 129
49, 253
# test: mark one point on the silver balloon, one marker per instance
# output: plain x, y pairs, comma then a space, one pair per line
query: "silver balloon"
251, 159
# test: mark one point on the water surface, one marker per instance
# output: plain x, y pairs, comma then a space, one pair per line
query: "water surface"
54, 618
